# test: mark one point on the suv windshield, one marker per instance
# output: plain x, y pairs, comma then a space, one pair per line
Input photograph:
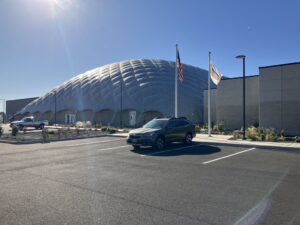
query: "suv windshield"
156, 124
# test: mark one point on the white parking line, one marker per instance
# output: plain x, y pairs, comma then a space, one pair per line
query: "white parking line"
224, 157
98, 142
171, 150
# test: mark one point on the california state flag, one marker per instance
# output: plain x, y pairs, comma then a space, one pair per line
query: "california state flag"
215, 75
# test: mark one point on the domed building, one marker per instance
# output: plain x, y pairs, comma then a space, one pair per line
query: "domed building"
125, 94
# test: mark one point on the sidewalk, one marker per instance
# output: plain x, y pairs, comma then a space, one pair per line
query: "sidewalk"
225, 139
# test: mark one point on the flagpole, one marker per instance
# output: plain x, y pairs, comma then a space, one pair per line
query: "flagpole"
208, 95
176, 83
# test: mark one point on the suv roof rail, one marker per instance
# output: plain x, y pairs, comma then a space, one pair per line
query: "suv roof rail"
176, 118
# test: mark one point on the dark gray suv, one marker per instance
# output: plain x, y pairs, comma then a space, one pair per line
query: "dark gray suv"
159, 132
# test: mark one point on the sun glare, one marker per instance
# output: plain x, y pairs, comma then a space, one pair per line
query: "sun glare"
59, 4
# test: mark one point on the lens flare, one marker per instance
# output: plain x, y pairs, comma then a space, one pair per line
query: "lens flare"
62, 4
59, 4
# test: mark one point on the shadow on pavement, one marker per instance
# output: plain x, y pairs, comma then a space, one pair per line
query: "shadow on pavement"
178, 149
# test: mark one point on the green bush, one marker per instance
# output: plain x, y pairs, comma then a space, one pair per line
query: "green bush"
297, 140
79, 124
252, 134
109, 130
51, 132
255, 134
237, 134
112, 130
1, 131
104, 129
271, 135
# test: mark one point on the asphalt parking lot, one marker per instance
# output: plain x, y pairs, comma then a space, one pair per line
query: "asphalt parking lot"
104, 181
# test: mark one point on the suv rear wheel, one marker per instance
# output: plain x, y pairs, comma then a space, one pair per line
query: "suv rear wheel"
160, 143
188, 138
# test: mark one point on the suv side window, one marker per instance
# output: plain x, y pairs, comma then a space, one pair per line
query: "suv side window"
172, 123
181, 123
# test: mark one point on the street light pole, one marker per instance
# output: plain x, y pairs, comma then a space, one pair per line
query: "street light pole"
243, 57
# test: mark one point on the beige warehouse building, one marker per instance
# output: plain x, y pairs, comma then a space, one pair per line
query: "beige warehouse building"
272, 100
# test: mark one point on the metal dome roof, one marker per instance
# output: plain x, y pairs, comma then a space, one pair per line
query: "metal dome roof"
145, 85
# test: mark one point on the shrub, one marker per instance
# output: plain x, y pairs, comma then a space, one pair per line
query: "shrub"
104, 129
252, 134
112, 130
218, 128
59, 133
271, 135
237, 134
215, 129
281, 138
88, 124
79, 124
198, 129
14, 131
1, 131
51, 132
45, 134
255, 134
297, 140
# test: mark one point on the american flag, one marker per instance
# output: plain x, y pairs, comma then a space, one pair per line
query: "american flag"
179, 67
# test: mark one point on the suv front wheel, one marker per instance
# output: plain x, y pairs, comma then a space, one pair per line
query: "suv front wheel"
159, 143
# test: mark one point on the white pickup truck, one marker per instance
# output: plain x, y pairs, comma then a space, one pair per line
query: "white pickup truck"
29, 122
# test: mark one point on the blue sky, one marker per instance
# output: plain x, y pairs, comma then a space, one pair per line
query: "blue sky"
43, 43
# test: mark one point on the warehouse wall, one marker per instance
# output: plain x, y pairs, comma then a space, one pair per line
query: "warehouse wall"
280, 98
229, 103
